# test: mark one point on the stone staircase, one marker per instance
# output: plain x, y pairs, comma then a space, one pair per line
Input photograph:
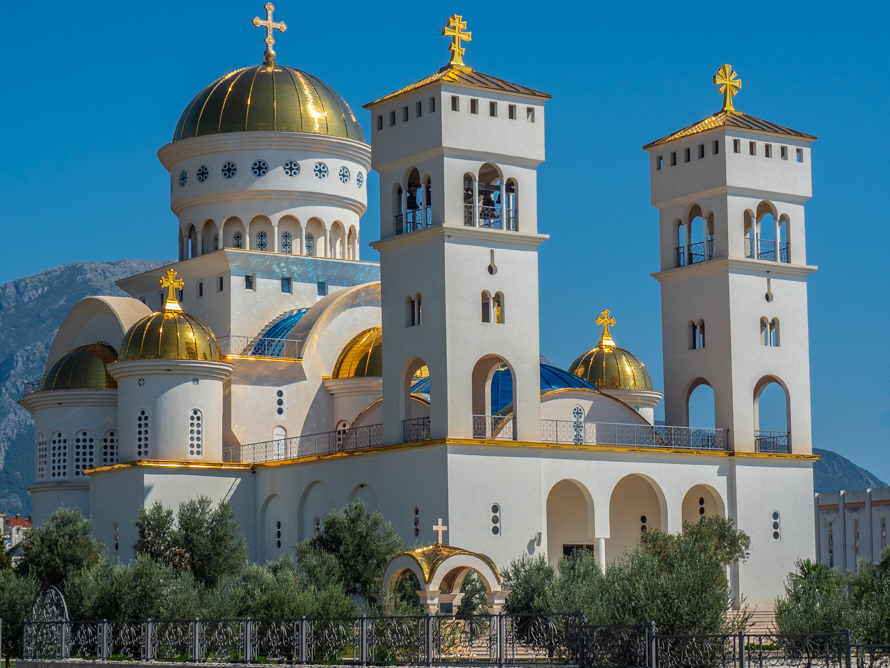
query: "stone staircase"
762, 620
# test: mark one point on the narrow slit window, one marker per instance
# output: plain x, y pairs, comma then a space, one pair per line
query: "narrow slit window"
530, 114
736, 145
673, 158
200, 288
701, 151
404, 114
455, 103
659, 163
800, 155
493, 109
511, 112
768, 150
379, 121
285, 285
418, 109
474, 106
686, 154
248, 281
219, 284
752, 148
392, 118
783, 152
716, 149
432, 105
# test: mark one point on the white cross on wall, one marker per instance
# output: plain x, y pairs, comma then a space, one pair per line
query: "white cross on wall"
439, 529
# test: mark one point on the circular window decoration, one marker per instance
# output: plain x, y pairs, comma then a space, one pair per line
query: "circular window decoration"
202, 173
183, 178
259, 168
292, 168
229, 170
344, 175
495, 530
141, 382
359, 179
320, 170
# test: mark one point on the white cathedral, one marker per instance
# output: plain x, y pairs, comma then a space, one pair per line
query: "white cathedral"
274, 368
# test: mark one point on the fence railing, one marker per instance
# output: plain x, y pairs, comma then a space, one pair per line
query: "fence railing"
416, 429
640, 435
503, 640
309, 445
767, 249
493, 426
695, 253
259, 346
772, 441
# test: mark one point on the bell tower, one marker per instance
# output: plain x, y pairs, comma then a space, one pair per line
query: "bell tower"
730, 191
457, 155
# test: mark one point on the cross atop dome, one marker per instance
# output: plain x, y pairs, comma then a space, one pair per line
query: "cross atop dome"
604, 320
729, 85
172, 283
270, 26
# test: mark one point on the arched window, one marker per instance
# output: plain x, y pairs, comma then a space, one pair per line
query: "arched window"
196, 433
262, 242
769, 332
142, 433
693, 332
486, 306
418, 309
84, 453
41, 457
286, 242
764, 331
701, 333
414, 311
470, 194
774, 332
238, 240
109, 448
310, 244
279, 442
680, 248
498, 304
58, 456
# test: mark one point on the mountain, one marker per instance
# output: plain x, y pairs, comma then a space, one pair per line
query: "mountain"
31, 310
834, 472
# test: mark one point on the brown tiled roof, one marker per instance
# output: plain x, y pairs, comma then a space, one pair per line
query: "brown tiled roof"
735, 119
467, 77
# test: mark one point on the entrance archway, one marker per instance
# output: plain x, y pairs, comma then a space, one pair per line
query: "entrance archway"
701, 501
772, 416
569, 519
636, 506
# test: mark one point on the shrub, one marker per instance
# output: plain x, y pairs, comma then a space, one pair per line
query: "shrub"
62, 545
814, 602
16, 596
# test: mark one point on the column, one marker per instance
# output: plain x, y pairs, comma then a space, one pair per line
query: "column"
302, 248
276, 241
842, 530
423, 204
328, 251
475, 203
403, 209
247, 236
818, 530
503, 202
601, 553
870, 552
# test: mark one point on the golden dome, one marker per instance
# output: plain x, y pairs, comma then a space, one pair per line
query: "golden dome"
362, 357
608, 367
268, 98
170, 334
82, 369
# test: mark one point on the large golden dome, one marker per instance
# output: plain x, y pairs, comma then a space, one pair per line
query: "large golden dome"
609, 367
83, 368
362, 357
268, 97
170, 334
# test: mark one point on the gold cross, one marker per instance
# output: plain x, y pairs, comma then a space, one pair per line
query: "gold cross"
170, 282
604, 320
455, 30
729, 84
270, 27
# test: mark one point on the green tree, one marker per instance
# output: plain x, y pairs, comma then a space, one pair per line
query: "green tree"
63, 544
869, 591
529, 579
362, 544
5, 561
815, 601
578, 585
16, 596
210, 540
155, 532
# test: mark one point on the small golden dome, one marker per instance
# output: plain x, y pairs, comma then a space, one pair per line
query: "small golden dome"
362, 357
170, 334
608, 367
83, 368
268, 98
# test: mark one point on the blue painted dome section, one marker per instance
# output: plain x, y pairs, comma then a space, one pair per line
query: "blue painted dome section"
271, 343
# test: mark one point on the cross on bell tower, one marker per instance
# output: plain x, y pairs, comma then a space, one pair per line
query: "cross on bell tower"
456, 30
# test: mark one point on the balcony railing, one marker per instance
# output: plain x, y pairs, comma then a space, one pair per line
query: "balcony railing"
491, 217
259, 346
767, 249
493, 427
695, 253
772, 441
635, 435
415, 219
416, 429
330, 442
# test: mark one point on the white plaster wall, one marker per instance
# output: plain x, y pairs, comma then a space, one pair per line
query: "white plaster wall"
46, 499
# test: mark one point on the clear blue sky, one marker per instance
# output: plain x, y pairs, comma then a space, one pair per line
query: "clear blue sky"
93, 90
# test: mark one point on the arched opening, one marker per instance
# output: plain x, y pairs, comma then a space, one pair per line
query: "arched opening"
364, 494
470, 197
772, 412
317, 502
315, 238
766, 232
233, 236
352, 243
398, 208
570, 520
279, 443
635, 507
783, 238
413, 310
490, 197
486, 423
208, 234
486, 306
288, 234
700, 406
192, 242
680, 236
697, 234
701, 501
498, 308
710, 239
338, 240
262, 234
511, 206
415, 401
272, 523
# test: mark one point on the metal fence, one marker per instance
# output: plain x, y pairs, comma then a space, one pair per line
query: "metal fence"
259, 346
330, 442
638, 435
416, 429
772, 441
483, 640
493, 426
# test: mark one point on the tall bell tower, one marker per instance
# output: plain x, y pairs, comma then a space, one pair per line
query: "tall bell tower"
457, 155
730, 191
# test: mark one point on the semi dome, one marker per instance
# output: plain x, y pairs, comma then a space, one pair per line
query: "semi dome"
170, 334
609, 367
362, 357
270, 98
83, 368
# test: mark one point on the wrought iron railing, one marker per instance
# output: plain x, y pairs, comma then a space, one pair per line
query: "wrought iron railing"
491, 217
767, 249
512, 222
400, 229
636, 435
416, 429
694, 253
413, 220
772, 441
469, 219
309, 445
493, 426
260, 346
502, 640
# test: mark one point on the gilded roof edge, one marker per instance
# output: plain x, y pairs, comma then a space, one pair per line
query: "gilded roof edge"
735, 119
430, 558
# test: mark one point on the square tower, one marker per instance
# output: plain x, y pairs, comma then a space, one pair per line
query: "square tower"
730, 191
457, 155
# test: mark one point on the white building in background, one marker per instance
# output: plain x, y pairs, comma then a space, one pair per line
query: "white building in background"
852, 525
274, 368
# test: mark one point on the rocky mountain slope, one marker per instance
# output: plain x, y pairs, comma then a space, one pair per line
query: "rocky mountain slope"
834, 473
31, 310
